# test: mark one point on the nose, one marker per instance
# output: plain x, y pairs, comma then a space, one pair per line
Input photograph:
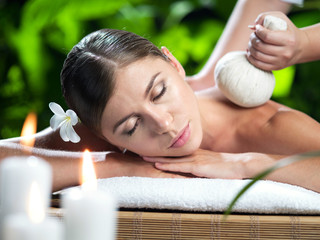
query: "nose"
160, 120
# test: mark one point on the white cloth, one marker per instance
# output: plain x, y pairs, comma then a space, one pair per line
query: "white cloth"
296, 2
198, 194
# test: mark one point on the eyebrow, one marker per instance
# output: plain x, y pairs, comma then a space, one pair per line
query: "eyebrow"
150, 85
148, 89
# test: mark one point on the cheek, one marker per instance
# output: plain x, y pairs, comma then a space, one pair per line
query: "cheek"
181, 95
145, 148
112, 138
140, 143
187, 102
112, 141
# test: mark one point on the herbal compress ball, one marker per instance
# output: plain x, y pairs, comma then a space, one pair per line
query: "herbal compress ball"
240, 81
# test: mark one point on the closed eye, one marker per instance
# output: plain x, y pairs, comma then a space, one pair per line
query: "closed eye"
163, 91
132, 130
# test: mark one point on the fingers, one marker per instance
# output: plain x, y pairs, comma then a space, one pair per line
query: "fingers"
261, 17
175, 167
266, 55
277, 38
265, 45
260, 64
260, 60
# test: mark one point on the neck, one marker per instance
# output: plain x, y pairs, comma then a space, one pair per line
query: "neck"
219, 123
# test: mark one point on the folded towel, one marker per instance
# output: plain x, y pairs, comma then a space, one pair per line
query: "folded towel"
212, 195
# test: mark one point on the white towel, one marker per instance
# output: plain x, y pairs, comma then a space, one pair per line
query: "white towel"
212, 195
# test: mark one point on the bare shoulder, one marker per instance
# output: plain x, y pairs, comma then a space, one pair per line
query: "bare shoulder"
294, 130
276, 129
291, 117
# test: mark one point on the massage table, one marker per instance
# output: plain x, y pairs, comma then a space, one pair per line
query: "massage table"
155, 208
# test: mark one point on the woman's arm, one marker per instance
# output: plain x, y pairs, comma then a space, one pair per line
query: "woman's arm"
209, 164
273, 50
50, 139
66, 165
235, 36
292, 131
286, 132
65, 158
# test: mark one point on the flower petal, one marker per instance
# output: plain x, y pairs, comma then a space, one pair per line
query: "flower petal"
73, 116
56, 121
71, 133
63, 132
56, 109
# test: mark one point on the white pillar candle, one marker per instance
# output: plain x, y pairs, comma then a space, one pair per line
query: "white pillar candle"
20, 227
16, 176
32, 225
89, 213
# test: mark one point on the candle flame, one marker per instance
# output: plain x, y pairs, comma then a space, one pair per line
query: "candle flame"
29, 128
89, 178
35, 208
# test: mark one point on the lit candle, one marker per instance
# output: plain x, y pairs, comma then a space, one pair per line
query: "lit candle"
34, 225
89, 213
16, 176
19, 172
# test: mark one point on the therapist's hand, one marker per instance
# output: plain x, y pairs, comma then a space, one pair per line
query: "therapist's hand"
274, 50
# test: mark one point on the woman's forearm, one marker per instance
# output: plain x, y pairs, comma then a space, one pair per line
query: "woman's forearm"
65, 169
67, 165
208, 164
311, 49
304, 173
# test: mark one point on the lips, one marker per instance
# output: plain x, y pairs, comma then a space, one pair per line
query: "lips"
181, 139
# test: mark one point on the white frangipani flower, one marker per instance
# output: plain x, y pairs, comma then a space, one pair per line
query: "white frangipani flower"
64, 120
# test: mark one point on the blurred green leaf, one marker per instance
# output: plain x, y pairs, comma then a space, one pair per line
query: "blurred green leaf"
178, 40
284, 80
15, 82
36, 35
178, 10
279, 164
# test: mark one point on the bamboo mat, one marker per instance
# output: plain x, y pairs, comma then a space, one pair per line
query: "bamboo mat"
186, 225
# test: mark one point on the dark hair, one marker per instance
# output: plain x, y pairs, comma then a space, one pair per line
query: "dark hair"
87, 76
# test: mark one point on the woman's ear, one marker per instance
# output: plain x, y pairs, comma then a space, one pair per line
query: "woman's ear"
174, 61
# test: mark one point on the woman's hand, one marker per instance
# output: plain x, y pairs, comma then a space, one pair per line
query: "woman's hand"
273, 50
118, 165
207, 164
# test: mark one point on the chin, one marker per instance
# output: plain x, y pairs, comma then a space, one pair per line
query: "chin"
186, 150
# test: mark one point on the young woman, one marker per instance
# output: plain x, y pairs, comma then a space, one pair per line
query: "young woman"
134, 96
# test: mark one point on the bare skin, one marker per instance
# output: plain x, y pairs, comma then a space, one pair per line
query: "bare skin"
273, 50
243, 166
255, 123
235, 36
67, 169
271, 128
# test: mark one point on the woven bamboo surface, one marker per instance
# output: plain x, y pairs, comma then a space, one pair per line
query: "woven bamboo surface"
169, 225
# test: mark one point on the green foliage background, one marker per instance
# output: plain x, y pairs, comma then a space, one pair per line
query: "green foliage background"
36, 35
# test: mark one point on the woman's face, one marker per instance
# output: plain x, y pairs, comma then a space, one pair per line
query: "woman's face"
153, 111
